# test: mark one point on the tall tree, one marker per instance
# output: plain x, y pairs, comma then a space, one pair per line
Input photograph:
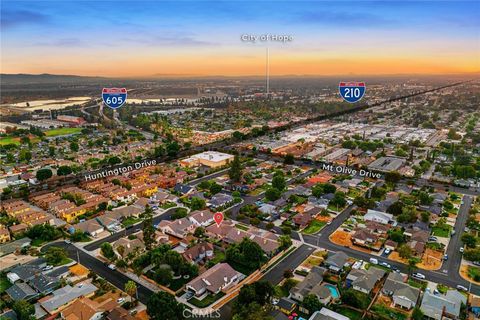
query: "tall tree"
131, 289
24, 310
236, 169
148, 229
163, 306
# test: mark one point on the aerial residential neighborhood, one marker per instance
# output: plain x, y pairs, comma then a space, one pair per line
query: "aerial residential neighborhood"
244, 160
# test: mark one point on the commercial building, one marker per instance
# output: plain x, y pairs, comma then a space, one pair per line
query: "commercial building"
211, 159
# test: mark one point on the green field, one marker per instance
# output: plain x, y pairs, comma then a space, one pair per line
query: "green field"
9, 140
62, 131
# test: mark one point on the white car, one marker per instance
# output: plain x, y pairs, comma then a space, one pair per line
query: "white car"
462, 249
112, 267
120, 300
418, 275
461, 288
47, 267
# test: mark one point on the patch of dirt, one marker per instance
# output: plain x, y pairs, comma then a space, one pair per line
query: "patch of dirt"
342, 238
396, 257
324, 218
431, 260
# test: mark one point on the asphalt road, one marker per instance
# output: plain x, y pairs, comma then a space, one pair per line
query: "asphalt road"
113, 276
125, 232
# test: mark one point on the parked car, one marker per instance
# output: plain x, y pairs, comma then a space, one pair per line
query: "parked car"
47, 267
445, 257
461, 288
387, 251
432, 238
386, 265
112, 266
68, 241
120, 300
477, 263
462, 249
373, 261
418, 275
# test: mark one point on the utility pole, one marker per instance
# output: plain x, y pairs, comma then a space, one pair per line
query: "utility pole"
78, 257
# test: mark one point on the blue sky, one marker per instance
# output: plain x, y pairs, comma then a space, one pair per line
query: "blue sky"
52, 34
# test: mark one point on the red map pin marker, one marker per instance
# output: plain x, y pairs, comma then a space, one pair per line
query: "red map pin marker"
218, 217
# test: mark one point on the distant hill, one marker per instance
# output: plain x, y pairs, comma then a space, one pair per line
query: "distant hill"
23, 78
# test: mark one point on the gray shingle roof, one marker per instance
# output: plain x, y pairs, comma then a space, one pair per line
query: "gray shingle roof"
21, 291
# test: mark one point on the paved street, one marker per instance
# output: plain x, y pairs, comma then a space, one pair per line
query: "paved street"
113, 276
135, 228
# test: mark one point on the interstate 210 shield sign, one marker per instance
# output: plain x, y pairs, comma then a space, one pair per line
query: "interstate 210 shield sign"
352, 91
114, 97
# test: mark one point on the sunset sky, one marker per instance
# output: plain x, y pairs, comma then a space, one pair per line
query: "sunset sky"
129, 39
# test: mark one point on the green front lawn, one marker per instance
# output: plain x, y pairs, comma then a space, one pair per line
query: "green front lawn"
439, 232
314, 227
205, 302
331, 207
280, 291
130, 221
63, 262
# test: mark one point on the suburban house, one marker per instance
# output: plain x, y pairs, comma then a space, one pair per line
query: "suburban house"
364, 280
403, 295
218, 278
21, 291
178, 228
337, 261
63, 297
90, 227
87, 309
220, 200
130, 246
302, 220
364, 237
286, 305
200, 252
440, 306
303, 288
201, 218
378, 216
327, 314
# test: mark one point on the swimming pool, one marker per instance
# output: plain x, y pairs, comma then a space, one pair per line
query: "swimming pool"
333, 290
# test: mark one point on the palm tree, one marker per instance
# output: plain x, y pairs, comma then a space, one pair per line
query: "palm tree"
131, 289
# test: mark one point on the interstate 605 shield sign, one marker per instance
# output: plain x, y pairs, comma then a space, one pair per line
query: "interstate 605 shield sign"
114, 97
352, 91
